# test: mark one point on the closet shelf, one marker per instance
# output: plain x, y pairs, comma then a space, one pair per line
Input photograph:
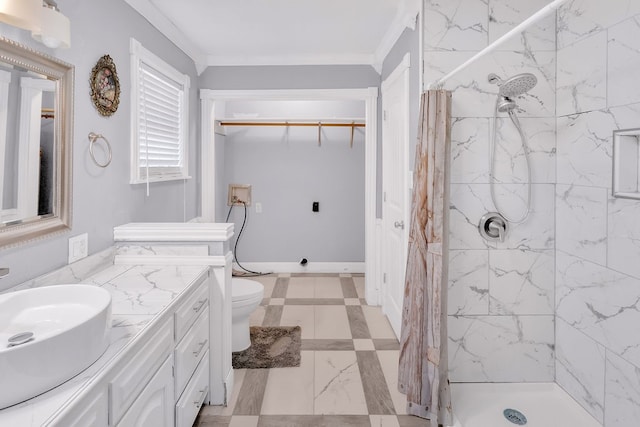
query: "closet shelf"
319, 123
293, 122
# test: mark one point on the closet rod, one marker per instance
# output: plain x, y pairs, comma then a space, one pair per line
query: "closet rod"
323, 124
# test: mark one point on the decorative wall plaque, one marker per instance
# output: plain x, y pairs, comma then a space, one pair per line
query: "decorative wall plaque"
105, 86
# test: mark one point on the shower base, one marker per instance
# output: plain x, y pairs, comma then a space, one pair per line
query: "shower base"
543, 405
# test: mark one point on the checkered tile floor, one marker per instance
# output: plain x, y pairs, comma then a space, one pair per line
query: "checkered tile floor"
348, 373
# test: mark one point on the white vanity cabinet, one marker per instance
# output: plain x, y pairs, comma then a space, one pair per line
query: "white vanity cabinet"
170, 341
163, 378
183, 344
191, 357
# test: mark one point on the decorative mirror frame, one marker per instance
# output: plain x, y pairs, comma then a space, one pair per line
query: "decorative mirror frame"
62, 73
103, 80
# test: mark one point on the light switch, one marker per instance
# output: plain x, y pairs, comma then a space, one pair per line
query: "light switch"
258, 207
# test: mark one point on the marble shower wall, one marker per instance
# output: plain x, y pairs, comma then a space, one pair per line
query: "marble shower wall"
575, 260
501, 295
597, 258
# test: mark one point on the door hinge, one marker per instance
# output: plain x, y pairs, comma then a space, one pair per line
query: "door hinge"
384, 115
384, 277
384, 196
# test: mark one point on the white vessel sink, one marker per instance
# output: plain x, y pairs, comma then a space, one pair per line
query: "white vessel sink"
70, 326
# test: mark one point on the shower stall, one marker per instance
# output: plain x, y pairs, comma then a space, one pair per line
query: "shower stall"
544, 283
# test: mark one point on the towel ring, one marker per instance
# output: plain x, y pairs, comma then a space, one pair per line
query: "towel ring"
93, 137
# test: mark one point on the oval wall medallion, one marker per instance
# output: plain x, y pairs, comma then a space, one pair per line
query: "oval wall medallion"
105, 86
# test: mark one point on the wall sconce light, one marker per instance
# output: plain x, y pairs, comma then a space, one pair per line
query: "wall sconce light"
55, 28
41, 17
21, 13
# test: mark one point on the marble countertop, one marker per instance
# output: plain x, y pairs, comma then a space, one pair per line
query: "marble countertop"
140, 295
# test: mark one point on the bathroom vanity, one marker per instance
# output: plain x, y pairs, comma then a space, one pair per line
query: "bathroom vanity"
168, 342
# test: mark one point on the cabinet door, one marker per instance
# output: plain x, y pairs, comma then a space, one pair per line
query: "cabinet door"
155, 405
91, 411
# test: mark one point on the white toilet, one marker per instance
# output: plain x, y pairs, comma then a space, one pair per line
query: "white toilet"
245, 297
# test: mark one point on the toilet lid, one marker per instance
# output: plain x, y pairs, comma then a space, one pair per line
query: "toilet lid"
244, 289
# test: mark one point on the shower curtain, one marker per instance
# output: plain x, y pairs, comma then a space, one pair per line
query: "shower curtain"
423, 367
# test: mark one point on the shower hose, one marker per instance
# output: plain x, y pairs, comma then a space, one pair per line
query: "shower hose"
492, 165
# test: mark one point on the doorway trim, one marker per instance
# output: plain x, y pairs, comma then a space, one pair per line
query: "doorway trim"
212, 106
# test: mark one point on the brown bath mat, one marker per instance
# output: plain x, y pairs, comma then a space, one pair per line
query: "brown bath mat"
271, 347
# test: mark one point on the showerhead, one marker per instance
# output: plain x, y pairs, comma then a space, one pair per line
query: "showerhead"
517, 85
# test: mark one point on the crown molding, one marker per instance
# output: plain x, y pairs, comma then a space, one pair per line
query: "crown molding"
405, 18
169, 30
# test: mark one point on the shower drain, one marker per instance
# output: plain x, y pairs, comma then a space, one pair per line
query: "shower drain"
515, 416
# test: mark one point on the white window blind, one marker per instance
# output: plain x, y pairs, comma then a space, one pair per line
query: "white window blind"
159, 120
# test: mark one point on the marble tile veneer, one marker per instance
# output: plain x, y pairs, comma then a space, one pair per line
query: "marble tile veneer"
601, 303
501, 348
581, 219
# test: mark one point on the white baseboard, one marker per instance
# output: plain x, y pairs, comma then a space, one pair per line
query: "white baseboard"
310, 267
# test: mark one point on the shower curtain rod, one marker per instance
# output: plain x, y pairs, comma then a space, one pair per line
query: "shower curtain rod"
551, 7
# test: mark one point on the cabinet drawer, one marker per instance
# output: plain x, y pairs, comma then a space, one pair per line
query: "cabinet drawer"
188, 312
190, 350
154, 406
193, 397
128, 383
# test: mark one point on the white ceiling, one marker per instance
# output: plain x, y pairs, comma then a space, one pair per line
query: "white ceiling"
281, 32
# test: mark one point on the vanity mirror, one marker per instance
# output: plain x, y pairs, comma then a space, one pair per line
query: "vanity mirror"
36, 118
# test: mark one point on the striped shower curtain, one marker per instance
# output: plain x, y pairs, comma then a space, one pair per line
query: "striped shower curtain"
423, 368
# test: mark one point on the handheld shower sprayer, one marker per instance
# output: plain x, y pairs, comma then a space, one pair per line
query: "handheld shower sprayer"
509, 89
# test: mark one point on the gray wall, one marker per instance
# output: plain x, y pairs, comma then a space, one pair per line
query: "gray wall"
286, 77
103, 198
288, 171
289, 77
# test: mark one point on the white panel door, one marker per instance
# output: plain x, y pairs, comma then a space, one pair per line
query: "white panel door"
395, 187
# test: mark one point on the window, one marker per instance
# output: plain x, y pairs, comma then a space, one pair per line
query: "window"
159, 118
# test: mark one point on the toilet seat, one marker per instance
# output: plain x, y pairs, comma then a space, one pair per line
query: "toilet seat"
244, 289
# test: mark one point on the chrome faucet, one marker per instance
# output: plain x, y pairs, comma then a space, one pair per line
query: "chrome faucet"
493, 227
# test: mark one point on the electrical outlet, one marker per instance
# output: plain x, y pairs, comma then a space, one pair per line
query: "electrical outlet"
258, 207
78, 247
